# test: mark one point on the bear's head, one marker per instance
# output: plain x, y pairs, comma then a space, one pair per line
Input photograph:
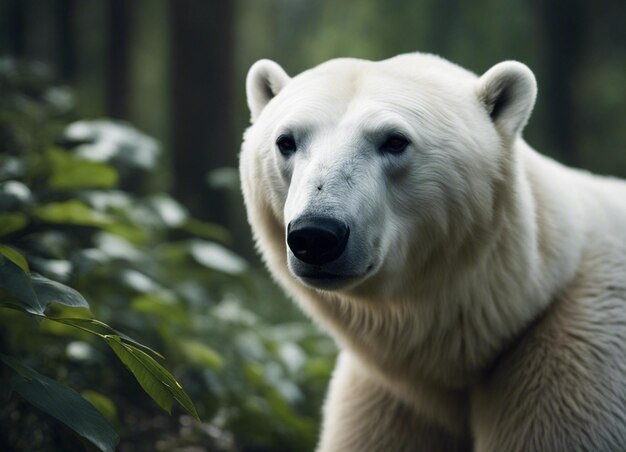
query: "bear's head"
354, 171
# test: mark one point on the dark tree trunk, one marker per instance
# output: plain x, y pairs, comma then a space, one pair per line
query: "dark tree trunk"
563, 27
16, 27
117, 71
66, 39
202, 75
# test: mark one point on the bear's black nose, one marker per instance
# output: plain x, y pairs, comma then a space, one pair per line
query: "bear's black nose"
317, 240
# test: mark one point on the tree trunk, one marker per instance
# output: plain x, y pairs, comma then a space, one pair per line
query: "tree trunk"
15, 23
563, 26
117, 72
66, 52
202, 75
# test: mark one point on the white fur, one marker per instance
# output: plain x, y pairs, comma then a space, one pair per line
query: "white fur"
488, 303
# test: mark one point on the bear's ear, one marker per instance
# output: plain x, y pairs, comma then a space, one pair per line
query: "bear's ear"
264, 81
508, 91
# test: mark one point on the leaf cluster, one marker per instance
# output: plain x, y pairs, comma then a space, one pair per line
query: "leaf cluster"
87, 252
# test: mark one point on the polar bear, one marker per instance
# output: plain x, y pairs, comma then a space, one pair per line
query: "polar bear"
476, 289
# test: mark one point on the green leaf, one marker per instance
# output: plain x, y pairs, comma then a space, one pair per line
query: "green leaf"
207, 230
217, 257
104, 404
163, 306
49, 291
154, 386
225, 177
16, 283
12, 222
35, 293
14, 195
16, 366
318, 368
114, 141
200, 353
71, 212
101, 330
69, 172
130, 232
153, 378
171, 213
15, 257
64, 404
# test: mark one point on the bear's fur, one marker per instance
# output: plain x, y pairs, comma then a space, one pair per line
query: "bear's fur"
480, 303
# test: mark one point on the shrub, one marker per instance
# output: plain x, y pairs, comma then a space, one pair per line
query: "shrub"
77, 224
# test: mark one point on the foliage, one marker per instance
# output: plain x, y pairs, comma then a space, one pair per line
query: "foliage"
77, 224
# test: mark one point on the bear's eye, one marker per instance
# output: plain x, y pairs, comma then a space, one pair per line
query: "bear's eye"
286, 144
394, 144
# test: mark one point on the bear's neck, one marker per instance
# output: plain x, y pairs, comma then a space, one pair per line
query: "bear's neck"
449, 321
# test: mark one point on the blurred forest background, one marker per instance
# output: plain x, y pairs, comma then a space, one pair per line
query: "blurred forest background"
120, 125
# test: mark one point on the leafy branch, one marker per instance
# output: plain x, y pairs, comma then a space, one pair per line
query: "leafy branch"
32, 294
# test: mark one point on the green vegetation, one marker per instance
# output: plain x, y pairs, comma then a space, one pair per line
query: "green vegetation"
96, 273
